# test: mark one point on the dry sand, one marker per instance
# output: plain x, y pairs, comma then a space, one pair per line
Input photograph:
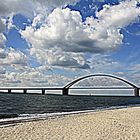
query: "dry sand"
118, 124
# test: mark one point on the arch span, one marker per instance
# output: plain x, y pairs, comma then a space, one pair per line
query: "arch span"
66, 88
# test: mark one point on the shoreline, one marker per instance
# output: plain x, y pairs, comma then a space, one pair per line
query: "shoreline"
113, 124
23, 118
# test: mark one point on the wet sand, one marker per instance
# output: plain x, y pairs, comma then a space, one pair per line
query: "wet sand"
117, 124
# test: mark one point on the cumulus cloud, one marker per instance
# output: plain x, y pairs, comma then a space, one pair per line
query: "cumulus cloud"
58, 37
103, 64
57, 3
13, 57
8, 8
12, 63
32, 77
49, 5
15, 70
65, 32
28, 8
69, 60
2, 26
2, 40
50, 37
2, 46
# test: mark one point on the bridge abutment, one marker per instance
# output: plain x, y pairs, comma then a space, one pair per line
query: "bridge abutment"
136, 92
65, 91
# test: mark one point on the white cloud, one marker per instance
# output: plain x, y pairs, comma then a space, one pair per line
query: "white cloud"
103, 64
57, 3
9, 22
2, 46
2, 40
69, 60
16, 6
2, 26
46, 6
32, 78
28, 8
106, 28
8, 8
134, 73
13, 57
61, 39
50, 37
37, 20
127, 10
12, 64
38, 79
15, 70
65, 32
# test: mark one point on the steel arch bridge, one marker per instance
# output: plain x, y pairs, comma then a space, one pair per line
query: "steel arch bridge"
65, 90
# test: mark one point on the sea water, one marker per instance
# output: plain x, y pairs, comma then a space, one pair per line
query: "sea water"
27, 105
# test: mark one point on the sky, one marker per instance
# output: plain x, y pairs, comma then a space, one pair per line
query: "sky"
50, 43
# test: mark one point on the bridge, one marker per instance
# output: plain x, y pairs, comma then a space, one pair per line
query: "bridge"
66, 88
69, 85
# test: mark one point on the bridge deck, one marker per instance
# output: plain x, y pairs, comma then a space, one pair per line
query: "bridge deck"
64, 90
102, 88
29, 88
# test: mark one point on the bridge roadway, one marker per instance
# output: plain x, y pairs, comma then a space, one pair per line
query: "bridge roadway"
43, 89
25, 89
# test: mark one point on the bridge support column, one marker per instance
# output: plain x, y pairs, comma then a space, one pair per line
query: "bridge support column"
25, 91
9, 90
136, 91
43, 91
65, 91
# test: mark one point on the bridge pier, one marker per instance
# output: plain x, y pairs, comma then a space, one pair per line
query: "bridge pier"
25, 91
136, 92
9, 90
65, 91
43, 91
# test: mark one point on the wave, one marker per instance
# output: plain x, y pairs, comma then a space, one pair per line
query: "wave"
10, 119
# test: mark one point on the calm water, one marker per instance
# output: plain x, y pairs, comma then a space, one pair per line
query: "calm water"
39, 104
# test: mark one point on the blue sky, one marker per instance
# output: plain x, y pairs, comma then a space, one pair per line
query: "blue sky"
42, 42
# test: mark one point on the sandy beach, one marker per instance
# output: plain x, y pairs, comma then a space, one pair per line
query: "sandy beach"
118, 124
